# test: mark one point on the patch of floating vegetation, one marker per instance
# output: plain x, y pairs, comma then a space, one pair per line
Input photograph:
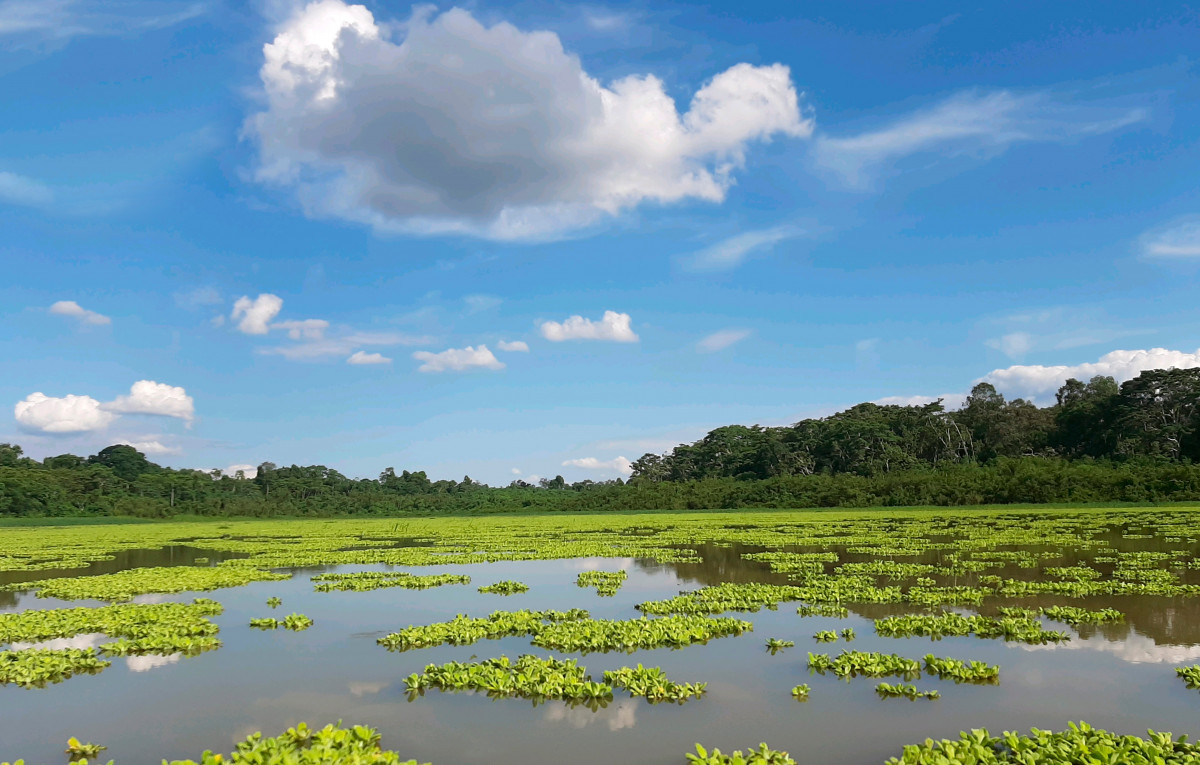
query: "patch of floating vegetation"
274, 602
293, 622
652, 683
606, 582
775, 645
826, 636
465, 630
331, 745
363, 581
1076, 616
800, 692
125, 585
1190, 675
904, 690
961, 671
161, 628
830, 611
1078, 744
505, 587
936, 626
528, 677
868, 664
763, 755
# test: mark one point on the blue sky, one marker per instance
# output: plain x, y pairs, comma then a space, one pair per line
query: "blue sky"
232, 233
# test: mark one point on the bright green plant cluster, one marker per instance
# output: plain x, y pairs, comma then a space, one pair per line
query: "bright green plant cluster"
588, 635
35, 667
1190, 675
763, 755
506, 587
1076, 616
826, 610
848, 634
904, 690
465, 630
331, 745
293, 622
826, 636
853, 663
775, 645
363, 581
961, 671
274, 602
1024, 630
527, 677
653, 684
125, 585
606, 582
800, 692
79, 750
1078, 744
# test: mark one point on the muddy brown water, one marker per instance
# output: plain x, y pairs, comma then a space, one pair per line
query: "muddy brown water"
145, 709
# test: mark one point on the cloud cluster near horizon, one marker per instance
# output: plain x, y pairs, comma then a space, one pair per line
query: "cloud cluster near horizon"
491, 131
39, 413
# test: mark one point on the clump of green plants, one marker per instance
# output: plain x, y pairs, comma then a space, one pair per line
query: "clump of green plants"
606, 582
904, 690
36, 667
763, 755
653, 684
364, 581
293, 622
125, 585
506, 587
302, 745
848, 634
826, 636
78, 750
527, 677
869, 664
1025, 630
1076, 616
587, 635
800, 692
961, 671
1078, 744
825, 609
774, 645
1190, 675
274, 602
465, 630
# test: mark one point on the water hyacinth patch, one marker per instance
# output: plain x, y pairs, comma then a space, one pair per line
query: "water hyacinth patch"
630, 635
763, 755
301, 745
465, 630
826, 636
606, 582
36, 667
1190, 675
774, 645
364, 581
800, 692
1024, 630
125, 585
527, 677
274, 602
962, 672
505, 588
904, 690
293, 622
852, 663
653, 684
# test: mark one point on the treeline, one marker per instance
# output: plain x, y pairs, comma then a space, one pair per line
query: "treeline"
1138, 442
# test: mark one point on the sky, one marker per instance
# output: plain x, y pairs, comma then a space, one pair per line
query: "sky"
515, 240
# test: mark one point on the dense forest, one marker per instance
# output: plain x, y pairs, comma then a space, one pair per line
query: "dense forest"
1099, 442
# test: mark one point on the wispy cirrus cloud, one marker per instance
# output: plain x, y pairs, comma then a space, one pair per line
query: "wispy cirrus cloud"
39, 22
341, 345
968, 124
719, 341
1178, 239
732, 252
22, 190
76, 311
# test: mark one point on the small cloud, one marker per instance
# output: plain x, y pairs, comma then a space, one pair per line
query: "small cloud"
69, 414
731, 252
618, 464
615, 327
516, 471
949, 400
478, 303
17, 189
362, 357
76, 311
340, 345
254, 316
516, 346
151, 448
1178, 239
307, 329
1034, 380
719, 341
458, 360
248, 472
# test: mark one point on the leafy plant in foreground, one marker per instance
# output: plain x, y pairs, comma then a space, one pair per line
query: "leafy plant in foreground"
904, 690
505, 587
763, 755
301, 745
653, 684
1190, 675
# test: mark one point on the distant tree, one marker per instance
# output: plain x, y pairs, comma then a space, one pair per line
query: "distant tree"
125, 461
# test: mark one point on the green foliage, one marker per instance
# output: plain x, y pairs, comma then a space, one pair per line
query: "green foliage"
80, 750
293, 622
274, 602
1076, 616
1190, 675
465, 630
853, 663
800, 692
506, 587
527, 677
1024, 630
962, 672
763, 755
125, 585
653, 684
35, 667
904, 690
606, 582
826, 636
774, 645
331, 745
374, 580
1079, 744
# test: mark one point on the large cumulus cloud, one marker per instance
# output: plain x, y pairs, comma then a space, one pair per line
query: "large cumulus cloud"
491, 131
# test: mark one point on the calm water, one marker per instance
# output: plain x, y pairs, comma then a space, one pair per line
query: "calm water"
148, 708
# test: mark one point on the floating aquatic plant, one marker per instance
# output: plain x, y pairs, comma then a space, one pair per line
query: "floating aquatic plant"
606, 582
852, 663
302, 745
505, 588
79, 750
36, 667
962, 672
800, 692
653, 684
274, 602
826, 636
364, 581
1190, 675
904, 690
527, 677
775, 644
763, 755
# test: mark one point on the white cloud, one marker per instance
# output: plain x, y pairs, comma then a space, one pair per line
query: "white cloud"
69, 414
362, 357
76, 311
613, 326
516, 471
1178, 239
618, 464
731, 252
341, 345
517, 346
254, 316
719, 341
458, 359
150, 397
308, 329
949, 400
248, 471
969, 123
17, 189
1037, 380
490, 131
152, 447
60, 20
1014, 344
